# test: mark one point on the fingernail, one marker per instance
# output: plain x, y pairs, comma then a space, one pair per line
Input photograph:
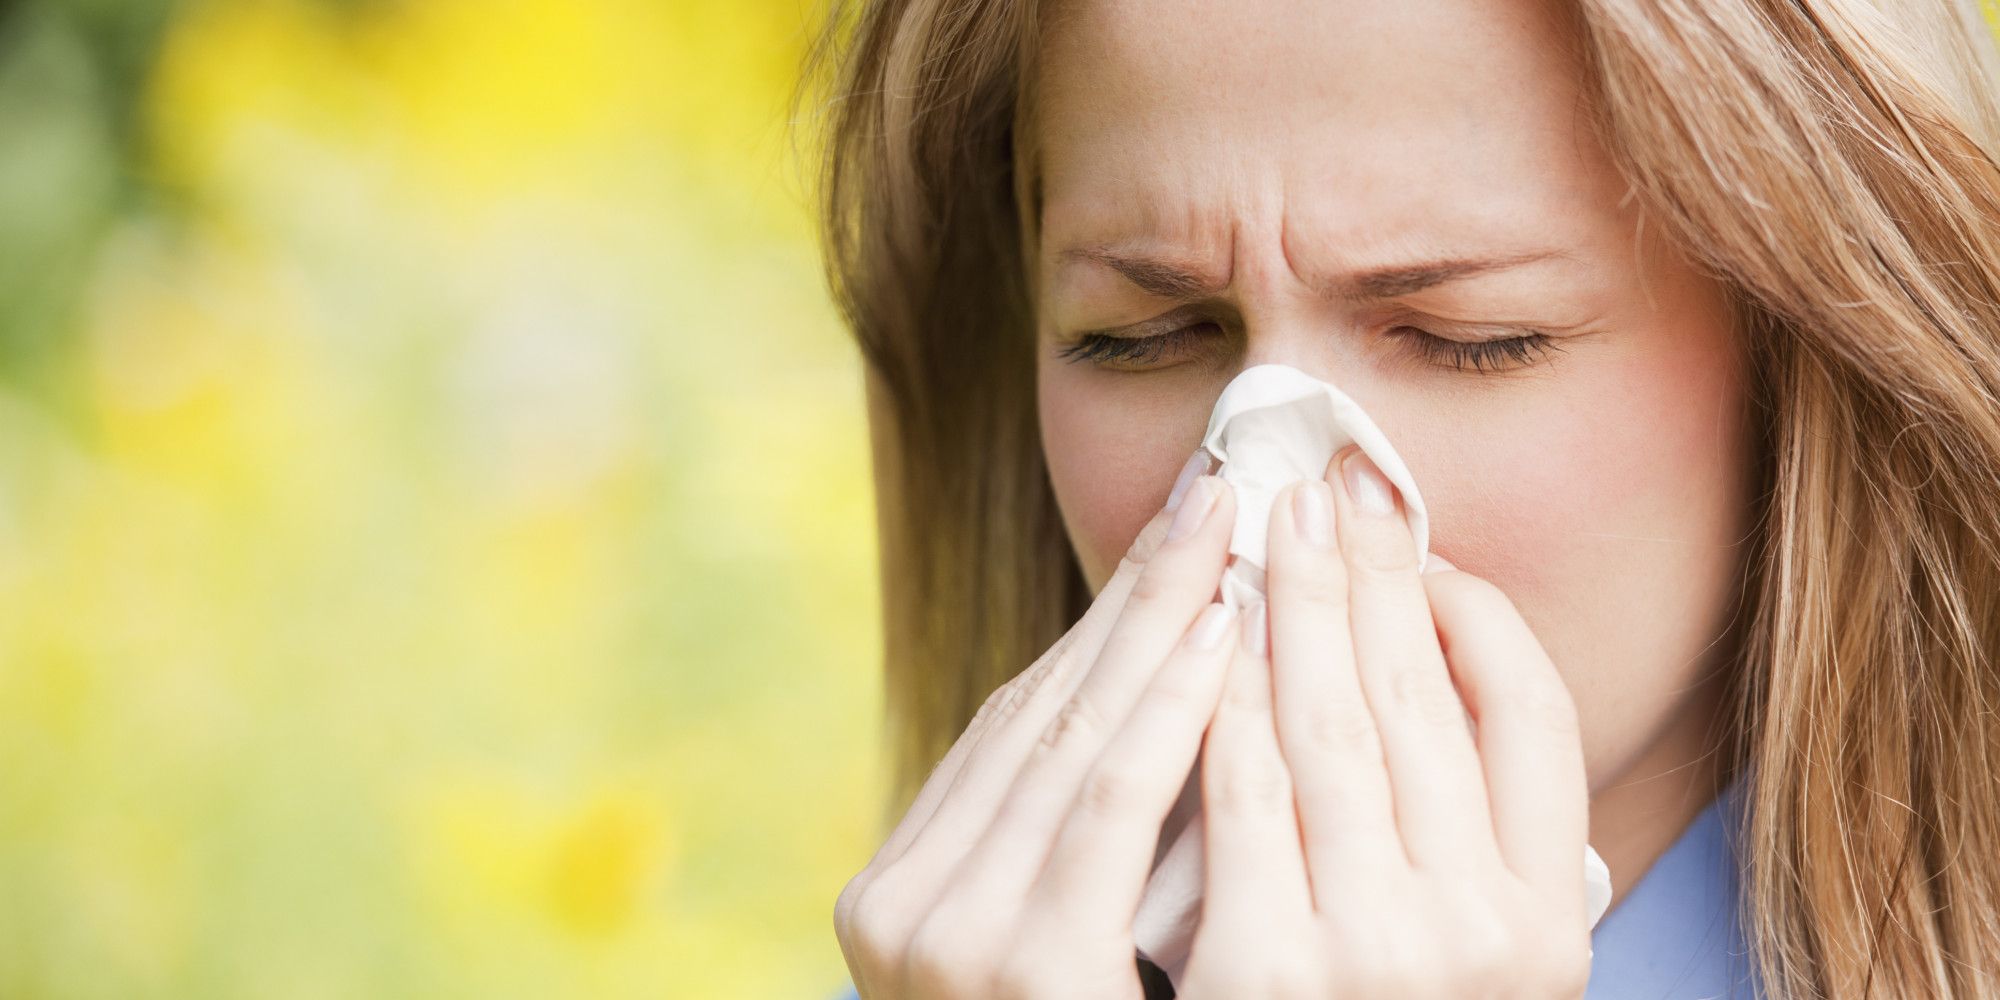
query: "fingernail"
1372, 494
1312, 512
1434, 563
1208, 629
1254, 638
1199, 499
1196, 465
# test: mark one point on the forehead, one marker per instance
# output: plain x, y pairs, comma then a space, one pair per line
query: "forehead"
1365, 124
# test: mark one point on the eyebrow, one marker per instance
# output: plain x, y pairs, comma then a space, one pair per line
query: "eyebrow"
1171, 279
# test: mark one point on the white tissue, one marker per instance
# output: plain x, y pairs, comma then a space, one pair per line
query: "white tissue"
1273, 425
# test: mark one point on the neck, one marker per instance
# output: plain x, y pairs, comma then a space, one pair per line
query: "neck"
1651, 802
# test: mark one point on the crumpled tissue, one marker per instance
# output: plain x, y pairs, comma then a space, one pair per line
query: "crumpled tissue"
1273, 425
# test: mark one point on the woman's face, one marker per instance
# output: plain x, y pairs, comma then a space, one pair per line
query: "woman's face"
1330, 184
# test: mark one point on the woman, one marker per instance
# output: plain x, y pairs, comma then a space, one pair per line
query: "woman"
1683, 315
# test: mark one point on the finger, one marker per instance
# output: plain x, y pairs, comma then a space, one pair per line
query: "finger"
1527, 729
1256, 873
1025, 704
1098, 868
1340, 779
1177, 583
1434, 769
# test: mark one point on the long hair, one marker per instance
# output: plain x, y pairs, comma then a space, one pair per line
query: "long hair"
1831, 162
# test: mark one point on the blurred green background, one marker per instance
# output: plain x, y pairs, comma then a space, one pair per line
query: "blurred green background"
436, 553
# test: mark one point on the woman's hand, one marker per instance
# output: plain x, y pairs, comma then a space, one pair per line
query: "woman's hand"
1018, 868
1360, 843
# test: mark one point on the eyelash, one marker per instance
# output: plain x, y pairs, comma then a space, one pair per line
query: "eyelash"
1099, 348
1458, 355
1462, 355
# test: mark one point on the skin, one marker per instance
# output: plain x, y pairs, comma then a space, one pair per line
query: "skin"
1360, 845
1278, 148
1361, 842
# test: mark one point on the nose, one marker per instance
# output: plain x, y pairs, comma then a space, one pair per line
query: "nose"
1328, 342
1320, 345
1283, 319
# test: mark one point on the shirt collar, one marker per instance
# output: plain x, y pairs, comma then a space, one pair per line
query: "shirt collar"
1678, 933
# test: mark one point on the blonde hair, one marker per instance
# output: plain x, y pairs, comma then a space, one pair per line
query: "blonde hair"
1831, 162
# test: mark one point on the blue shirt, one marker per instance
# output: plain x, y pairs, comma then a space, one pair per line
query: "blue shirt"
1676, 935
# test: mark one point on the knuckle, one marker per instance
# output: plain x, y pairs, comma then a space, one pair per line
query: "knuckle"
1250, 783
850, 897
872, 928
1153, 585
1078, 720
994, 704
1318, 586
1342, 726
1485, 948
1491, 942
1063, 663
1025, 973
1042, 669
1293, 979
1562, 964
1376, 559
1000, 704
1427, 695
1399, 965
1133, 564
1270, 975
945, 952
1280, 967
1345, 806
1113, 788
1246, 700
1045, 675
1146, 542
1130, 567
1180, 696
1244, 695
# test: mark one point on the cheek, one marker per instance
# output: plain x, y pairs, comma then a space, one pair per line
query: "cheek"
1635, 458
1609, 513
1547, 486
1113, 448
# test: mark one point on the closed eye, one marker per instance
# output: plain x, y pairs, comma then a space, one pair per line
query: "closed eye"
1104, 349
1480, 356
1499, 354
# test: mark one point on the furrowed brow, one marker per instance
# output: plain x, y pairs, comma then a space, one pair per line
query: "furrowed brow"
1408, 279
1171, 279
1160, 276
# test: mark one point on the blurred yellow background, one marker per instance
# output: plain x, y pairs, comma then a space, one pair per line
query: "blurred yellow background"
436, 553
